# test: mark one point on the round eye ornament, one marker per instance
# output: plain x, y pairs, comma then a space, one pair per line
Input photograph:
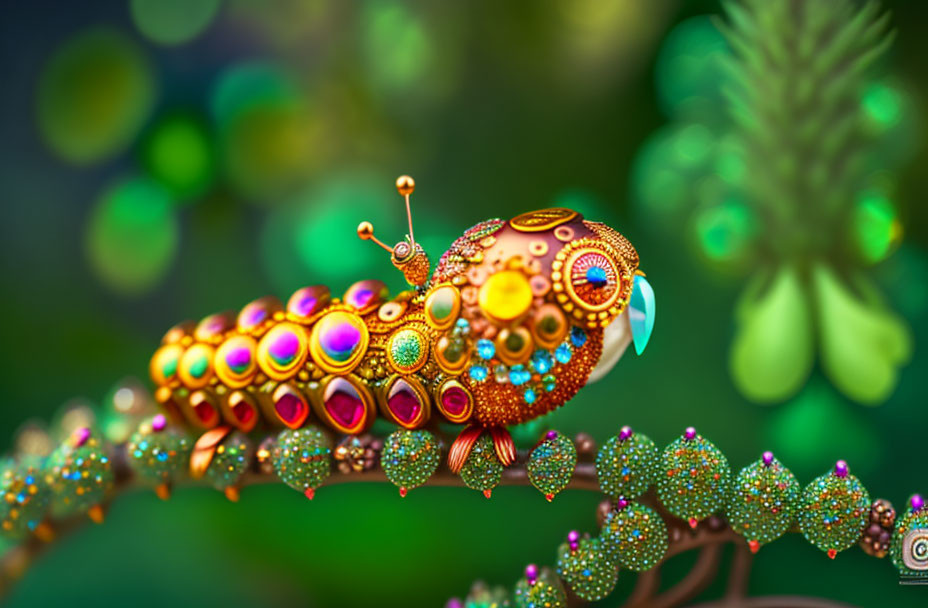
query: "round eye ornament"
591, 281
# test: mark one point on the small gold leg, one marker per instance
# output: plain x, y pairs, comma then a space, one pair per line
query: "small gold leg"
96, 514
163, 490
232, 493
44, 532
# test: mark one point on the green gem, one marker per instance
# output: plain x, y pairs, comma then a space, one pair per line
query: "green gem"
627, 467
763, 501
24, 499
406, 348
588, 570
694, 479
833, 512
910, 542
302, 458
231, 460
158, 456
551, 464
546, 592
80, 477
635, 537
169, 368
454, 351
482, 470
199, 367
410, 457
441, 304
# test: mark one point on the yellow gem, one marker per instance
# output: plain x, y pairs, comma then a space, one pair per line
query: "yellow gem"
506, 295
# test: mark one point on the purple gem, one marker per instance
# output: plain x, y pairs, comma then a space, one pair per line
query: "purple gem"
625, 433
454, 603
690, 433
917, 502
841, 469
239, 359
531, 573
621, 503
768, 458
551, 435
284, 348
159, 423
80, 436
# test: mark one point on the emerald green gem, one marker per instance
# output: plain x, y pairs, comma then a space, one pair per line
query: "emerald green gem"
406, 348
199, 367
169, 368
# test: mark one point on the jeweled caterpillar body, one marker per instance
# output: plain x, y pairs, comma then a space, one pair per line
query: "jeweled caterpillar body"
514, 320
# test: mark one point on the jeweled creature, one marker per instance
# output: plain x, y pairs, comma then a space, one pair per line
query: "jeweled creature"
517, 316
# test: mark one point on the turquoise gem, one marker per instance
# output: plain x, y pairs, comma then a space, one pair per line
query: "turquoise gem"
485, 349
530, 395
518, 375
562, 353
542, 361
577, 336
641, 313
478, 373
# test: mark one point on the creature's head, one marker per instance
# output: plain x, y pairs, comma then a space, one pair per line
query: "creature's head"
527, 311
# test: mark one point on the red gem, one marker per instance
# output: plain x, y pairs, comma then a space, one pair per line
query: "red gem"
403, 492
549, 497
754, 546
243, 412
454, 400
832, 553
290, 408
404, 402
693, 522
343, 403
310, 493
488, 493
205, 412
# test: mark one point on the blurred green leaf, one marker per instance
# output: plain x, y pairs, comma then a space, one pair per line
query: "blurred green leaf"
863, 344
772, 353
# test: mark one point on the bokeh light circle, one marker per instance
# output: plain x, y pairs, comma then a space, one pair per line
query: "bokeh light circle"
267, 133
132, 236
172, 22
689, 70
94, 94
179, 154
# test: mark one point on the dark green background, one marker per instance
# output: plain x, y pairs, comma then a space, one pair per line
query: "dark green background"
512, 134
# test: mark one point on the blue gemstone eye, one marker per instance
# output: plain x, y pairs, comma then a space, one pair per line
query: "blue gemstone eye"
596, 276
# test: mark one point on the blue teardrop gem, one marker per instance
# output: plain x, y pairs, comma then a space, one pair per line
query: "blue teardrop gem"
641, 313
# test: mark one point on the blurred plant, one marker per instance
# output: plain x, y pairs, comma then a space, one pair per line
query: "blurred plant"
792, 185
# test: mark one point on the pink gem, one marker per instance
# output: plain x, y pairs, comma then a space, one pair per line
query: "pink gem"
625, 433
917, 502
768, 458
531, 573
288, 406
454, 400
690, 433
404, 402
158, 423
551, 435
80, 436
343, 403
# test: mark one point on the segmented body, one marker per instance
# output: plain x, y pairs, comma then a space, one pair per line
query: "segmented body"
508, 328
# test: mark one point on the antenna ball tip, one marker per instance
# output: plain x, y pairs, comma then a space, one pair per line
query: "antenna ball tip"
365, 230
405, 185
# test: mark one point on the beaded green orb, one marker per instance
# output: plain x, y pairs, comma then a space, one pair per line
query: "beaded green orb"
626, 465
79, 473
541, 590
634, 536
24, 500
159, 452
482, 470
587, 569
482, 596
834, 510
230, 461
763, 502
409, 458
302, 458
551, 464
909, 545
694, 478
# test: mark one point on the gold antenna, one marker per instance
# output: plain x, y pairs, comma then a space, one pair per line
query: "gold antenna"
366, 233
406, 185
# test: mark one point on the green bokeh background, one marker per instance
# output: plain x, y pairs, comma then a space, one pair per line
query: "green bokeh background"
294, 118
